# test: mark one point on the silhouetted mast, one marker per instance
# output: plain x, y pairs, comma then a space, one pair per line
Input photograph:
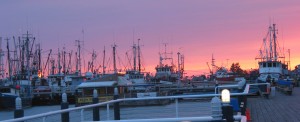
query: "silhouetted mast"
139, 55
134, 56
8, 58
103, 67
114, 58
275, 42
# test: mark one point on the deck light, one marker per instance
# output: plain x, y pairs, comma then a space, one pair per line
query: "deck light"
225, 94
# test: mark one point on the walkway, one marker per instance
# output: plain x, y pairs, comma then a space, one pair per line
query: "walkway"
281, 108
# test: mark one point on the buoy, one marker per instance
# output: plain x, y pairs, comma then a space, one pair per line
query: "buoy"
248, 114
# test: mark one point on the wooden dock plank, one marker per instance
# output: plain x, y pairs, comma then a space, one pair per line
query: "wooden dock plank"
281, 108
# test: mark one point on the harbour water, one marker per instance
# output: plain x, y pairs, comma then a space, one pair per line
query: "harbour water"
186, 109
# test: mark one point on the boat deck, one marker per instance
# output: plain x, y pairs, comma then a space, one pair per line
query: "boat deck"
281, 108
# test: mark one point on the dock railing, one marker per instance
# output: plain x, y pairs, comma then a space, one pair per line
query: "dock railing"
82, 109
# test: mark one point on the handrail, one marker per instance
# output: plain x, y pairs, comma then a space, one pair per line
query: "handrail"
245, 92
182, 119
114, 101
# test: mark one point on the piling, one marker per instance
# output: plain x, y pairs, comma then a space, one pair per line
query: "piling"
116, 105
96, 114
19, 112
65, 105
227, 111
242, 99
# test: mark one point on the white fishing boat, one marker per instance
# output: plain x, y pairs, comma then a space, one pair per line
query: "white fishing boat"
271, 63
166, 70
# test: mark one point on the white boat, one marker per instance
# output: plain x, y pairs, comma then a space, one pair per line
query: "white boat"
166, 70
271, 63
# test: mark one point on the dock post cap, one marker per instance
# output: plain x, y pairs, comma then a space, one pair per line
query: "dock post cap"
64, 97
116, 91
216, 108
95, 93
225, 94
18, 103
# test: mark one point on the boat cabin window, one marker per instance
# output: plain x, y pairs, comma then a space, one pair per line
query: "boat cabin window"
264, 64
274, 64
269, 64
5, 90
101, 91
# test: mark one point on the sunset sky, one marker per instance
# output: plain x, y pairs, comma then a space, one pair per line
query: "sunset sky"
232, 30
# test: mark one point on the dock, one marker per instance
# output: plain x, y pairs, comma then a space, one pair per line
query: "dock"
281, 108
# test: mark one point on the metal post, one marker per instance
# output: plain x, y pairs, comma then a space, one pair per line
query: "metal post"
82, 115
240, 97
116, 105
243, 103
65, 105
96, 115
19, 112
176, 106
227, 111
44, 119
107, 110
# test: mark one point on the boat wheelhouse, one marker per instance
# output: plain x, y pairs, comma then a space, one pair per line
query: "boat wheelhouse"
84, 92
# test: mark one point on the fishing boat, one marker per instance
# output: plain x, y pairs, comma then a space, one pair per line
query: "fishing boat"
166, 70
62, 79
272, 66
20, 70
222, 74
135, 75
271, 62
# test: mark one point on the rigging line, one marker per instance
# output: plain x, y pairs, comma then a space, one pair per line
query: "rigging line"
120, 61
129, 60
108, 63
142, 61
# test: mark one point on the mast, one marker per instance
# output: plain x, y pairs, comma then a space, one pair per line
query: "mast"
1, 60
212, 63
70, 62
43, 71
64, 60
28, 54
103, 67
134, 56
139, 55
59, 66
78, 64
40, 58
271, 43
92, 62
52, 61
8, 58
114, 58
178, 69
275, 42
182, 65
